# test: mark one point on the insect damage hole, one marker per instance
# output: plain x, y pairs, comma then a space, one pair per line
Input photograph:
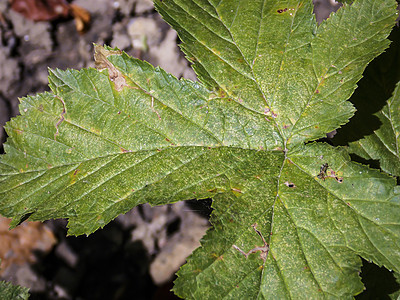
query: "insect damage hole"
290, 184
325, 173
264, 249
282, 10
322, 174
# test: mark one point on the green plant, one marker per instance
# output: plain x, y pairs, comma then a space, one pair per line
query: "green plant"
291, 217
9, 291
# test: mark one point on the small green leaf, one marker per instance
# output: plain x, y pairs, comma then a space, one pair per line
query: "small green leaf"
13, 292
383, 144
396, 295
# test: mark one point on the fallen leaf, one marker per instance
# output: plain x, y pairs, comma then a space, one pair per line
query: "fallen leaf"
17, 245
41, 10
82, 18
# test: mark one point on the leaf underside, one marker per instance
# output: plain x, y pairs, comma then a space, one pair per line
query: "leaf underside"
108, 139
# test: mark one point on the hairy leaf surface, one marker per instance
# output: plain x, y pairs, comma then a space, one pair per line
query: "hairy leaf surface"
291, 219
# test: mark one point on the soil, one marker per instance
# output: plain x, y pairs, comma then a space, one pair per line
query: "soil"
135, 256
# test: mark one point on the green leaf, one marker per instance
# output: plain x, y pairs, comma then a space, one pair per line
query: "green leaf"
383, 144
13, 292
290, 219
91, 166
272, 58
371, 101
396, 295
315, 228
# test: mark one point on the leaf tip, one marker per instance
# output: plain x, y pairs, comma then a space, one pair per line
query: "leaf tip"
101, 62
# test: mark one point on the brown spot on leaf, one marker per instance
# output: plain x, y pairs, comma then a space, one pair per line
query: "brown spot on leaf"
282, 10
221, 93
290, 184
101, 63
339, 179
95, 130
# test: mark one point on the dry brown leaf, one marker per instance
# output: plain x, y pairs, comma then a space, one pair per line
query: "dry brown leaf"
41, 10
17, 245
82, 18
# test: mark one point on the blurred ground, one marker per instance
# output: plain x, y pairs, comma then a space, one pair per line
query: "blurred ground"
135, 256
